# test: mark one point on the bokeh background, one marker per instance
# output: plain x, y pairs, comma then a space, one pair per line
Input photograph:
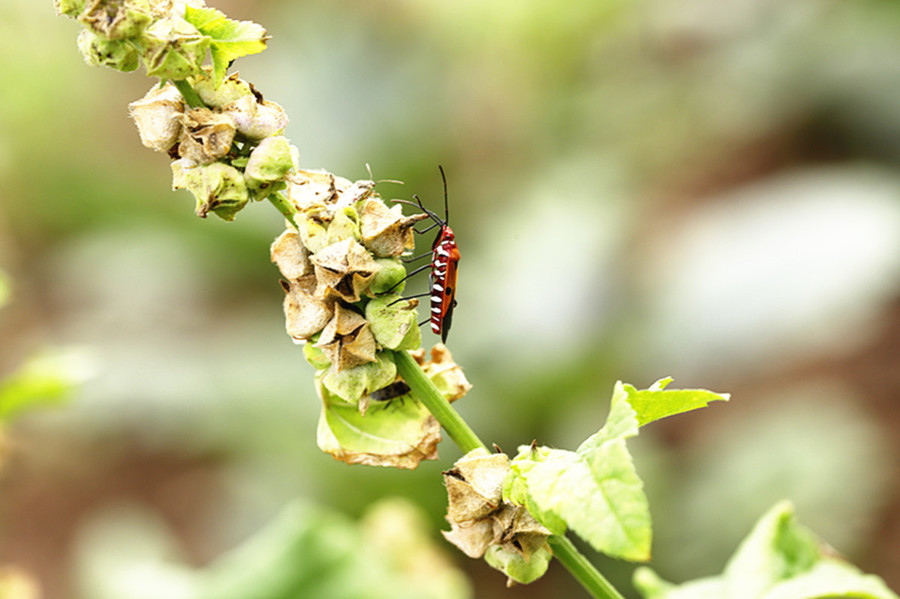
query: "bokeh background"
705, 189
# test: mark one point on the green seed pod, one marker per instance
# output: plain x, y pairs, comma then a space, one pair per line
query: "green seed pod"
394, 323
174, 49
352, 383
156, 117
269, 162
218, 187
206, 136
69, 8
99, 51
343, 226
256, 118
231, 88
116, 19
389, 277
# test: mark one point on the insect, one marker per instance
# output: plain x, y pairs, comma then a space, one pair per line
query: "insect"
444, 266
392, 391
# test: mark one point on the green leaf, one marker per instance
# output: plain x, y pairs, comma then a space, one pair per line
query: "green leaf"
595, 490
779, 559
44, 380
230, 39
656, 403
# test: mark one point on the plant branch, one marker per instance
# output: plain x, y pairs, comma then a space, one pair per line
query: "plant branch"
187, 92
424, 390
583, 570
284, 207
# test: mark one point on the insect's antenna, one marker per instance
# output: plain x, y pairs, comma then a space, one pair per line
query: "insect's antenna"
446, 212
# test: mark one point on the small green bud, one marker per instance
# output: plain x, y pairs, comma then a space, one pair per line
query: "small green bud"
156, 117
206, 135
230, 90
389, 277
99, 51
116, 19
394, 323
256, 118
174, 49
218, 187
269, 162
517, 567
69, 8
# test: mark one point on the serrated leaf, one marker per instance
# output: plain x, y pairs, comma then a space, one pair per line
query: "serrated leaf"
595, 490
656, 402
230, 39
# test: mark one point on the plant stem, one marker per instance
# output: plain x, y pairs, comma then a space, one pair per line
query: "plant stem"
583, 571
284, 207
188, 93
424, 390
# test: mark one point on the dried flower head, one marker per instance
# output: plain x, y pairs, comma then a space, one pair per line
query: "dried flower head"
478, 516
174, 49
116, 19
343, 269
347, 340
206, 135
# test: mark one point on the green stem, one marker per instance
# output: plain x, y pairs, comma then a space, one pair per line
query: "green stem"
424, 390
583, 570
188, 93
284, 207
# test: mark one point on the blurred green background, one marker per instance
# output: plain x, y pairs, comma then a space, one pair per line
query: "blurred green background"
705, 189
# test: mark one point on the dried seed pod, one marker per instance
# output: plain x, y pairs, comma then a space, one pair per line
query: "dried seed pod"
156, 117
479, 518
319, 194
347, 340
116, 19
99, 51
206, 136
446, 374
385, 231
475, 485
304, 314
290, 255
217, 187
174, 49
343, 269
256, 118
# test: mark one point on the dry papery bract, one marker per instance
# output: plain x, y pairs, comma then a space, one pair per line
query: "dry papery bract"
478, 516
443, 371
347, 340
